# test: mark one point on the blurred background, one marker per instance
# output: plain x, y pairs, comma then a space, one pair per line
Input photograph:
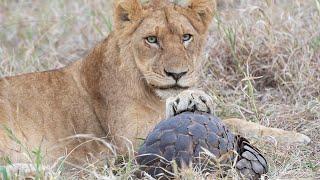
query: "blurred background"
263, 61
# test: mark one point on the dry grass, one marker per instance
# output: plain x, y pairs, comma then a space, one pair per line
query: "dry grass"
263, 64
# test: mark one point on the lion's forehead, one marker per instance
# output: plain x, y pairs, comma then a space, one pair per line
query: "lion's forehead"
162, 21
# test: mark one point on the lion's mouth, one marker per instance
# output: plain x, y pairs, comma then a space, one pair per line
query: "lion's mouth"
172, 87
164, 92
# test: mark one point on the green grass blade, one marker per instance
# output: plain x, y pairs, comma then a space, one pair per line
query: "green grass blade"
4, 174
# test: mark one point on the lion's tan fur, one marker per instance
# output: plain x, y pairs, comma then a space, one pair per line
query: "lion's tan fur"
110, 93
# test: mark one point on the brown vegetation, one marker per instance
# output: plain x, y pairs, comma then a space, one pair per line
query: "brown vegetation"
263, 63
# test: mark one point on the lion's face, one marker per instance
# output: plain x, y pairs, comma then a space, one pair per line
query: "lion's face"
166, 46
166, 51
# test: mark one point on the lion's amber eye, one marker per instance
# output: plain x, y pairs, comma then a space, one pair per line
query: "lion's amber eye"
186, 37
152, 39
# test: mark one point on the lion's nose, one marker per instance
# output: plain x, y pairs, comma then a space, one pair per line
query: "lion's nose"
176, 75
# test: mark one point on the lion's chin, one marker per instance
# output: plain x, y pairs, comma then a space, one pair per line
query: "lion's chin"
167, 93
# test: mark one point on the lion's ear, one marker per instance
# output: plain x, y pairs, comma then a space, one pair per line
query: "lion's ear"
126, 11
204, 10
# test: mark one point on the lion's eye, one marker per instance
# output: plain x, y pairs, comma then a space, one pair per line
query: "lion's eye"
186, 37
152, 39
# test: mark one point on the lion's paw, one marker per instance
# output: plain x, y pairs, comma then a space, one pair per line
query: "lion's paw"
303, 139
290, 137
189, 100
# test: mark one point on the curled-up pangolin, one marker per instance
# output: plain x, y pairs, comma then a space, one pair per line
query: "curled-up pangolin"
198, 140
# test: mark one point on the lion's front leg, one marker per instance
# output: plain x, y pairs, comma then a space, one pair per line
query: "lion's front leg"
26, 171
189, 100
250, 129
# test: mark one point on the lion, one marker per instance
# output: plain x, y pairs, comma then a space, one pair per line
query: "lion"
144, 71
